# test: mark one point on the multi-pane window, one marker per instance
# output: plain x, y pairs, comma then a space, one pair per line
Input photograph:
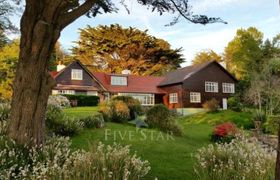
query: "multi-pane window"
92, 93
173, 98
228, 88
77, 74
211, 87
66, 92
195, 97
145, 99
119, 80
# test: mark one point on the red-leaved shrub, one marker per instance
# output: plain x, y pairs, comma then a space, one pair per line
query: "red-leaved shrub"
224, 132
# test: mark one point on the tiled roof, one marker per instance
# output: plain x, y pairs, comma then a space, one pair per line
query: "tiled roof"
135, 84
53, 73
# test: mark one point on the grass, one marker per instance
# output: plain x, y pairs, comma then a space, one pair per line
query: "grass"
81, 111
241, 119
169, 158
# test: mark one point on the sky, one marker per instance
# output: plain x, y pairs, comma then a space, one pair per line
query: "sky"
262, 14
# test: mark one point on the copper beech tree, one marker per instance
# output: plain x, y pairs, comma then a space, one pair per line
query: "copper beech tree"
40, 26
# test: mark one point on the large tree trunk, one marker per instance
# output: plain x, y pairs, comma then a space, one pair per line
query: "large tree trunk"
40, 27
32, 84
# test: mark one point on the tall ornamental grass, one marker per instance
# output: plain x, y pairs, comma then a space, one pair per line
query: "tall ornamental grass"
55, 161
238, 160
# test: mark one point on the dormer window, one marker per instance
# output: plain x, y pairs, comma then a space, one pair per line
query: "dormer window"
118, 80
77, 74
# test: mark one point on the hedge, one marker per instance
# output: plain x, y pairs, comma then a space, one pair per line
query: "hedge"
83, 100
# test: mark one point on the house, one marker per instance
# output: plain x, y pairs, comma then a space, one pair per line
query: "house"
183, 88
193, 85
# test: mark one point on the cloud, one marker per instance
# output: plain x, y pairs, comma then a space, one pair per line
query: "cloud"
206, 5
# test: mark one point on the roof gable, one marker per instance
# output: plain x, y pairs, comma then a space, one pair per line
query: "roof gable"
180, 75
57, 74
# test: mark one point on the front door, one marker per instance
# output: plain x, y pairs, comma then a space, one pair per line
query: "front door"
224, 103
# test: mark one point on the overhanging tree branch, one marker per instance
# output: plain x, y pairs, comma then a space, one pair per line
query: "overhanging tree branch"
71, 16
196, 19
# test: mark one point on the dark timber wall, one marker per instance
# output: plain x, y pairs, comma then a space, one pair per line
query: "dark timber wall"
196, 83
65, 77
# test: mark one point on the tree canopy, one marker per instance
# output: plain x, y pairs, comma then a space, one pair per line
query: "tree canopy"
9, 55
264, 89
6, 9
206, 56
8, 60
113, 48
244, 54
3, 39
58, 54
247, 53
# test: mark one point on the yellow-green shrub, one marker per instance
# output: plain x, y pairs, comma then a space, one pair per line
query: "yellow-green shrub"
211, 105
162, 118
133, 104
115, 111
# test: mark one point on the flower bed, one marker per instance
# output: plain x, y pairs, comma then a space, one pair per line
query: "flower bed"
224, 132
55, 160
240, 159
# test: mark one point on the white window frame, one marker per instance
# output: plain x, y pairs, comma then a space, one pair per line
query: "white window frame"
66, 92
92, 93
195, 97
228, 88
77, 74
173, 98
145, 99
211, 87
119, 80
106, 96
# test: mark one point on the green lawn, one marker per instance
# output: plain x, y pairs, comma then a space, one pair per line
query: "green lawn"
81, 111
169, 158
241, 119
